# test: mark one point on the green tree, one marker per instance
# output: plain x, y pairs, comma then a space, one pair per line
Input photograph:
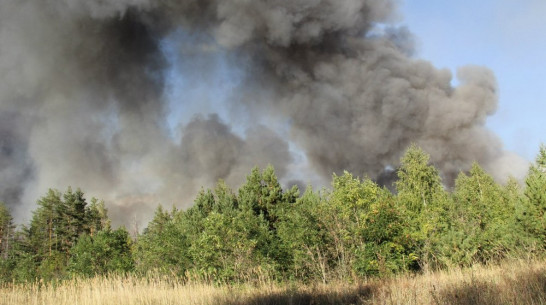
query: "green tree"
56, 226
532, 215
366, 228
303, 235
7, 230
423, 201
225, 199
258, 200
96, 217
71, 220
418, 182
482, 223
106, 252
226, 249
7, 233
163, 247
261, 193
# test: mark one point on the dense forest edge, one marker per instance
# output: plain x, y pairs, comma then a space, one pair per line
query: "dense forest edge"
355, 230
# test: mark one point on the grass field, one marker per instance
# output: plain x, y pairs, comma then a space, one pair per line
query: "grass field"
510, 283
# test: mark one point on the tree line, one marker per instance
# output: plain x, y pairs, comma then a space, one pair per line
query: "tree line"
355, 229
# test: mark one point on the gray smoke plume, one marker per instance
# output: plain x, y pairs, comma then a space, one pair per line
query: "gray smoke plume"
327, 86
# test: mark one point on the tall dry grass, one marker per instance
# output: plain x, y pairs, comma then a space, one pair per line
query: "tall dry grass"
510, 283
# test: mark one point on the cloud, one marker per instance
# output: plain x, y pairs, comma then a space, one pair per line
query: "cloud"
85, 85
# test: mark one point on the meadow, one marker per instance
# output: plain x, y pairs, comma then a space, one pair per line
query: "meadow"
515, 282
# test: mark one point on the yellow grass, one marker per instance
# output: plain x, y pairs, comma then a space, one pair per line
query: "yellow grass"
511, 283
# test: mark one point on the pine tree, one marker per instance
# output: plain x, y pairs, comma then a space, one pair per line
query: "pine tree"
481, 228
259, 199
226, 200
366, 228
533, 213
56, 225
7, 231
304, 237
76, 220
42, 232
163, 247
96, 217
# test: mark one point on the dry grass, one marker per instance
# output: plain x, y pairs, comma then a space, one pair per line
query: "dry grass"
511, 283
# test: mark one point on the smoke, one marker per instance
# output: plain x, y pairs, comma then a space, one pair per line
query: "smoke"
326, 86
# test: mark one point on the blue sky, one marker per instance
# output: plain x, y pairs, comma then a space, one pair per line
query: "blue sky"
507, 36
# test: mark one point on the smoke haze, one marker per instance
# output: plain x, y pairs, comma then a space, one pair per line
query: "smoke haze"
326, 86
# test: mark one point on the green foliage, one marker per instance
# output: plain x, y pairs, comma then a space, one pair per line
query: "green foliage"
7, 230
482, 227
423, 202
43, 248
532, 215
226, 248
164, 245
108, 251
260, 199
261, 193
223, 236
7, 233
26, 268
418, 182
304, 237
367, 228
356, 229
387, 249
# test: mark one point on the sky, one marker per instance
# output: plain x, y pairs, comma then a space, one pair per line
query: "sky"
507, 36
51, 62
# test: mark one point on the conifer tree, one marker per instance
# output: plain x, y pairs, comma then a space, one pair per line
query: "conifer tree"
43, 233
259, 200
7, 231
7, 244
304, 237
481, 219
533, 213
164, 245
56, 225
96, 217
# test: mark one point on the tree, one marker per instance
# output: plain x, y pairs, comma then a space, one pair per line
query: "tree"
532, 216
42, 233
7, 233
56, 226
481, 229
304, 237
418, 182
367, 228
261, 193
259, 199
226, 201
163, 247
72, 220
227, 247
7, 230
96, 217
106, 252
423, 200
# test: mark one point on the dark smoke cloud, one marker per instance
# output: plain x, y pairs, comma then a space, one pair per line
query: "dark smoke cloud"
15, 168
83, 98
